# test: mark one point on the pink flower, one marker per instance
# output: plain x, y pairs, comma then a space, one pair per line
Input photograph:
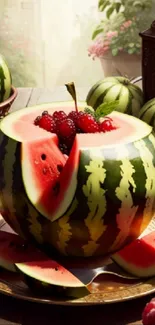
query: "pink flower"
98, 48
112, 34
126, 24
107, 43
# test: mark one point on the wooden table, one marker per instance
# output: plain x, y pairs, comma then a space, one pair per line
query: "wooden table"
13, 312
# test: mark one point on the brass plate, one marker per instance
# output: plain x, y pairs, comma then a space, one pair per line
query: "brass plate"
104, 290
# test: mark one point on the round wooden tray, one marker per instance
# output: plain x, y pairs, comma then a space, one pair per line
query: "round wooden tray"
105, 289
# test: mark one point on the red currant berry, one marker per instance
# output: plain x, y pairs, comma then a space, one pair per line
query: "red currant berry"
107, 125
87, 123
73, 116
63, 148
44, 113
47, 123
36, 121
65, 128
59, 115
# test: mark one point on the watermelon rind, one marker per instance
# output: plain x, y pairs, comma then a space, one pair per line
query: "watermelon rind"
147, 113
5, 78
115, 188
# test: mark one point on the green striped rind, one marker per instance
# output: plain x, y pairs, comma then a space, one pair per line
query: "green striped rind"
107, 204
5, 80
130, 96
117, 199
18, 211
147, 113
114, 199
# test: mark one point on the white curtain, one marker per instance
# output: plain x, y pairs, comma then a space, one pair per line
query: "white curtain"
46, 41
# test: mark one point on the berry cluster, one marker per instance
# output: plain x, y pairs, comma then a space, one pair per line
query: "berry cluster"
66, 126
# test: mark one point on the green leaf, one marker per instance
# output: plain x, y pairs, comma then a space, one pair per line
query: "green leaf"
131, 51
90, 111
103, 4
131, 44
137, 3
118, 6
105, 109
110, 11
114, 52
97, 32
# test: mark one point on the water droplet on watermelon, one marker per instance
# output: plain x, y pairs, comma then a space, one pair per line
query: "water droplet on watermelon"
36, 162
44, 170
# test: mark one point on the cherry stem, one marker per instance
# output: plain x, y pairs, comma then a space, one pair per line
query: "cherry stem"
71, 89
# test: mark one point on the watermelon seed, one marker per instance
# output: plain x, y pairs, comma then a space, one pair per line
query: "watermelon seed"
12, 244
59, 168
44, 170
43, 156
56, 188
18, 246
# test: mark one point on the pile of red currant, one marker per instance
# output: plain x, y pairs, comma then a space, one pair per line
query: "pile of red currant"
66, 126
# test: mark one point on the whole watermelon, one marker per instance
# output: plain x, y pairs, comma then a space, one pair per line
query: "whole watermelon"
147, 113
130, 96
92, 202
5, 80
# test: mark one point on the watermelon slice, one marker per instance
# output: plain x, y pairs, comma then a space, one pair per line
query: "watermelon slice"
138, 258
44, 167
15, 253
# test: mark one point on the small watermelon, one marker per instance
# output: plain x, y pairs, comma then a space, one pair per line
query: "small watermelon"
101, 197
130, 96
147, 113
16, 253
5, 80
138, 258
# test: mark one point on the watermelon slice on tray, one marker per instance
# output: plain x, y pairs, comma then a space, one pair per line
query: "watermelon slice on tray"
18, 254
138, 258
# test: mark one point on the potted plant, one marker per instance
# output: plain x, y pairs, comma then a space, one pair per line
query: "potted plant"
115, 40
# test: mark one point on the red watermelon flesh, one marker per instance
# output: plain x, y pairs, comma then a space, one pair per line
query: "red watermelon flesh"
32, 262
44, 169
138, 258
20, 125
